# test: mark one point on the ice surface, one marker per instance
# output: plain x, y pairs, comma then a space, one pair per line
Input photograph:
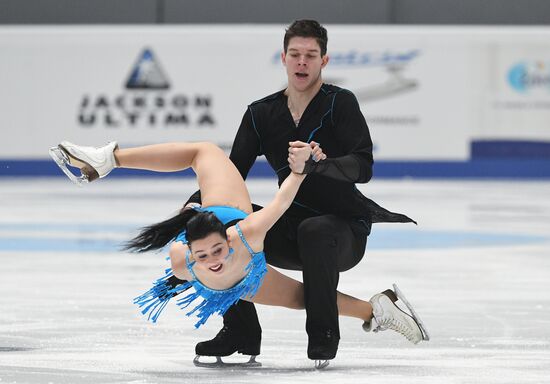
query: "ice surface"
477, 269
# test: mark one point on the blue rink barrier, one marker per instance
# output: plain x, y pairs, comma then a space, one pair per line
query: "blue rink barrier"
382, 238
494, 168
473, 169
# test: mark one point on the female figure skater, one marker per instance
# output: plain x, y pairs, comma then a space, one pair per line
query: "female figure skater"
216, 248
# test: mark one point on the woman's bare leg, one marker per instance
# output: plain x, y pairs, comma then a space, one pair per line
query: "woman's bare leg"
353, 307
283, 291
219, 181
168, 157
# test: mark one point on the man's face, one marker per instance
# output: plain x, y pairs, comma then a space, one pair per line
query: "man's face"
303, 62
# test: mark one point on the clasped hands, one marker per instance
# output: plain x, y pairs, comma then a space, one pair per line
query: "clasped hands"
299, 153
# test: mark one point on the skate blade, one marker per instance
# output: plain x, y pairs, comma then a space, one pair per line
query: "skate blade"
62, 161
414, 314
219, 363
321, 364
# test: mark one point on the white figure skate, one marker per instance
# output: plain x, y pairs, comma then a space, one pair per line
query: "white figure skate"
93, 162
387, 315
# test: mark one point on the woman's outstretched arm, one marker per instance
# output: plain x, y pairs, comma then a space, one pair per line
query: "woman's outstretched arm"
256, 225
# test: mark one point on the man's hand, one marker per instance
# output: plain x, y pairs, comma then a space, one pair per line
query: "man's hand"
316, 152
300, 152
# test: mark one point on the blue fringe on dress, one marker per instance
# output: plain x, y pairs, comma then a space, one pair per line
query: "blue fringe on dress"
214, 301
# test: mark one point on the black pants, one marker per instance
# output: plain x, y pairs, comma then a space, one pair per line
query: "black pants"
321, 247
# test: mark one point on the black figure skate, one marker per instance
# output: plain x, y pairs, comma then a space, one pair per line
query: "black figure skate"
226, 343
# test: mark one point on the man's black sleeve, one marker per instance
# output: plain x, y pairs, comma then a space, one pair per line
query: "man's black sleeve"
353, 136
246, 147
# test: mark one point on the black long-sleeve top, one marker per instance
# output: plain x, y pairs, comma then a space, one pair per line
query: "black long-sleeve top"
334, 120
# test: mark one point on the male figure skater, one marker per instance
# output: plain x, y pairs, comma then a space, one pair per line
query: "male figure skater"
325, 230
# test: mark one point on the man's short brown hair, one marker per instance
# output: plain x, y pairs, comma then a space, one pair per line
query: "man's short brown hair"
307, 28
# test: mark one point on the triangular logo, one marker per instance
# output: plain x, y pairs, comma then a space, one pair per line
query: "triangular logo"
147, 73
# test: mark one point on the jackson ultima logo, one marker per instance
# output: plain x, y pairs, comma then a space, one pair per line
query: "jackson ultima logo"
147, 102
147, 74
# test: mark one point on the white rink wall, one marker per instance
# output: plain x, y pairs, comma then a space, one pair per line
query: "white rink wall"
440, 101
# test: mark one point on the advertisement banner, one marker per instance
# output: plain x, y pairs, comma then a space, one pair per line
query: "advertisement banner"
518, 97
427, 93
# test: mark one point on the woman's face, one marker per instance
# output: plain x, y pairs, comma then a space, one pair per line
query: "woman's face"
214, 264
210, 253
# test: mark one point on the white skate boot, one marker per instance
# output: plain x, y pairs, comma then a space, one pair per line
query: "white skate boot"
388, 315
93, 162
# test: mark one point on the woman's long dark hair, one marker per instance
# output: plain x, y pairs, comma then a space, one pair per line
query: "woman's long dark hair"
155, 236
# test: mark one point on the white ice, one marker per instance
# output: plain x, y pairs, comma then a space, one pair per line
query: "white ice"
477, 269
